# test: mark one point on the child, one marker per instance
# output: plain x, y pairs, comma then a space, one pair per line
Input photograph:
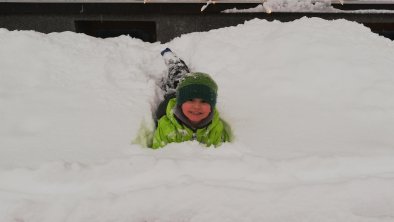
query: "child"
188, 111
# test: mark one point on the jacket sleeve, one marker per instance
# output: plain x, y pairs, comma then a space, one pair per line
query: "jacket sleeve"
227, 135
163, 133
159, 139
219, 134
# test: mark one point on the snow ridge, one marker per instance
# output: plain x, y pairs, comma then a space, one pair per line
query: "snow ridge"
310, 104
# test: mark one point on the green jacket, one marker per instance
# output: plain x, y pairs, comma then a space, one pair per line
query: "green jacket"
169, 130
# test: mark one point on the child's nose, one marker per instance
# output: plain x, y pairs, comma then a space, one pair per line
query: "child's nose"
196, 104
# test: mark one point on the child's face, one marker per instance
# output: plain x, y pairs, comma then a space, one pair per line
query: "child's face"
196, 110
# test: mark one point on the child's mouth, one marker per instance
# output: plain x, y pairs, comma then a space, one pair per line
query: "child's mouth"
195, 113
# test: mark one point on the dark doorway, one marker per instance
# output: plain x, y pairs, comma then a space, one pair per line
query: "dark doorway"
144, 30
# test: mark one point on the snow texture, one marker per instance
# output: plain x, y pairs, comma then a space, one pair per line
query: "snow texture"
315, 6
291, 6
310, 103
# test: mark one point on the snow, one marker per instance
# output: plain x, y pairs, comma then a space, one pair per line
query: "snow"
289, 6
310, 104
315, 6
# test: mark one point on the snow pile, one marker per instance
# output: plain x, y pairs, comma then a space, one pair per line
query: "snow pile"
310, 103
300, 6
289, 6
315, 6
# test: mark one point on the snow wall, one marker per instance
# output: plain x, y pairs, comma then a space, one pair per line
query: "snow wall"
310, 103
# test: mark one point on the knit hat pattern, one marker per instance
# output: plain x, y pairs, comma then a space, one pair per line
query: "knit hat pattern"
197, 85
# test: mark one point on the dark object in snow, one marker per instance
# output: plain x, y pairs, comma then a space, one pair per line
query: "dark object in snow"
165, 50
176, 70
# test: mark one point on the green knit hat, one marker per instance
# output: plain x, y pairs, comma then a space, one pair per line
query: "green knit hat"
197, 85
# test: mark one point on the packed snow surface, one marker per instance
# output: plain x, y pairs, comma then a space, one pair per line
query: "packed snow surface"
310, 103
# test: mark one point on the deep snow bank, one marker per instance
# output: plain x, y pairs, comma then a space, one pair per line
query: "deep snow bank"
310, 103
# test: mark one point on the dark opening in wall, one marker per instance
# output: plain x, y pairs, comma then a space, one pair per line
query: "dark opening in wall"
144, 30
383, 29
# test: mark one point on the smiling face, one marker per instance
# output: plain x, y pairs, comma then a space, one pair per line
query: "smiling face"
196, 110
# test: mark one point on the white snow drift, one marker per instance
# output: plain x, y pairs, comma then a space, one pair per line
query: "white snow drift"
310, 103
